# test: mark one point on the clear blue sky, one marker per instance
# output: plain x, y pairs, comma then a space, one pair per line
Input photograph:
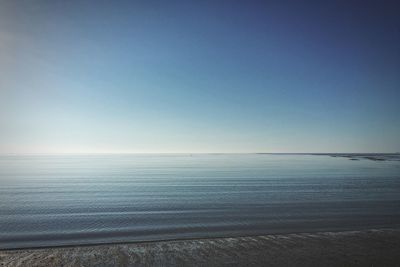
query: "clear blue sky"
199, 76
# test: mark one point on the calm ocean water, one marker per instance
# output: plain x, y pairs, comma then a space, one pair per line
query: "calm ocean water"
86, 199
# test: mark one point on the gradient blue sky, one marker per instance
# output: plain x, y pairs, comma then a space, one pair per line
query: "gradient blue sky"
199, 76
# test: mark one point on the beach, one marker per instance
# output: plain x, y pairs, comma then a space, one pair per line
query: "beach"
199, 133
199, 210
349, 248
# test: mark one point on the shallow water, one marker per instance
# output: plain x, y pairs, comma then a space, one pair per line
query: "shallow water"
86, 199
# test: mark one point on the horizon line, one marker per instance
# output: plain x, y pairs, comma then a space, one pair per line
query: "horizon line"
191, 153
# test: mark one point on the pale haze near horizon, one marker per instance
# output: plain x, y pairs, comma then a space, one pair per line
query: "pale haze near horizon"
137, 77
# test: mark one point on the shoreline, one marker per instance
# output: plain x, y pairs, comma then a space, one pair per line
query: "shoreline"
393, 228
350, 248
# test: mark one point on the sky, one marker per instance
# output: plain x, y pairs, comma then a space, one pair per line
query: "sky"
199, 76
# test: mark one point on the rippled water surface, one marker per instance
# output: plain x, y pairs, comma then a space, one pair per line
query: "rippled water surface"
86, 199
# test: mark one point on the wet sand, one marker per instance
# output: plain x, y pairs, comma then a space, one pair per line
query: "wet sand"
352, 248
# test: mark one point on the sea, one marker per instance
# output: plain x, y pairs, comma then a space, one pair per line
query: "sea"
64, 200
